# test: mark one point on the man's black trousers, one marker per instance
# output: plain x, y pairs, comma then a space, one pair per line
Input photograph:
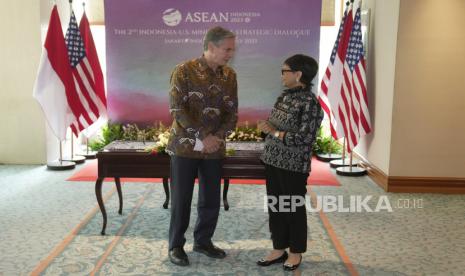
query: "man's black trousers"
183, 174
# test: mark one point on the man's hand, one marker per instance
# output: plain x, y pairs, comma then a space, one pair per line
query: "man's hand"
211, 144
265, 127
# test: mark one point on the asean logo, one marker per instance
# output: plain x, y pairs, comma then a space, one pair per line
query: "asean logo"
172, 17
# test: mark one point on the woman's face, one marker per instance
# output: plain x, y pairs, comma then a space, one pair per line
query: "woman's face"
289, 77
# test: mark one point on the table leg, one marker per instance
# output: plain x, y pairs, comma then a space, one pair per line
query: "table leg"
167, 192
98, 193
225, 194
120, 195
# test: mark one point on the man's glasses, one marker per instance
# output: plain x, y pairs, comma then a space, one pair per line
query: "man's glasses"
286, 70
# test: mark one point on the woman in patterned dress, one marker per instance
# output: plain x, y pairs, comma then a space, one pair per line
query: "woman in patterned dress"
290, 132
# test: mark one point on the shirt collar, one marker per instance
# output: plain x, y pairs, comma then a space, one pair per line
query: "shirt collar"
203, 66
296, 89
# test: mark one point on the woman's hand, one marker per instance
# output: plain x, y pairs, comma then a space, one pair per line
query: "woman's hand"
265, 127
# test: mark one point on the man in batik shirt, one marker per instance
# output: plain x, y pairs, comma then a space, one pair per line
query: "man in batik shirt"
203, 104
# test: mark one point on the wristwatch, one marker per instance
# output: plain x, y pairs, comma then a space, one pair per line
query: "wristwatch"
276, 134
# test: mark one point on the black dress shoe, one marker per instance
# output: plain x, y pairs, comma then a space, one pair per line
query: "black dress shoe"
210, 250
289, 267
282, 258
178, 256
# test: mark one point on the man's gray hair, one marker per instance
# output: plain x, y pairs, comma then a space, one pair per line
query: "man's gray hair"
216, 35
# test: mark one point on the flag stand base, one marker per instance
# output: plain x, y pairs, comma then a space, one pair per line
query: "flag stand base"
89, 155
327, 157
351, 171
76, 159
60, 166
342, 163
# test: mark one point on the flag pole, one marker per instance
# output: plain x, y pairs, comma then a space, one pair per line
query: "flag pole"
89, 154
343, 161
351, 170
60, 164
72, 146
350, 161
343, 149
76, 158
61, 153
72, 158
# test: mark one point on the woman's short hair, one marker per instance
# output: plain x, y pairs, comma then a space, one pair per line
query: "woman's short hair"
305, 64
216, 35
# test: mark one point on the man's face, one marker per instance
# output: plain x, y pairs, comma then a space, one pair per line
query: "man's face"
220, 55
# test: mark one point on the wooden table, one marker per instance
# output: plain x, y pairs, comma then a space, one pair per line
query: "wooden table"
128, 159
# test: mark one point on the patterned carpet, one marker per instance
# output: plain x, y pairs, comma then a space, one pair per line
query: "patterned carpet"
51, 227
136, 242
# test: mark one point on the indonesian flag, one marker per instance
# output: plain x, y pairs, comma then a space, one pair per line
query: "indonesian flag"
330, 95
54, 87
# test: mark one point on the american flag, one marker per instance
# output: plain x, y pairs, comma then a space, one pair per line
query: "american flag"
83, 79
359, 124
343, 89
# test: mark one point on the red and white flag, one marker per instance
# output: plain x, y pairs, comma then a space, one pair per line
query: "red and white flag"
92, 57
87, 74
54, 87
343, 93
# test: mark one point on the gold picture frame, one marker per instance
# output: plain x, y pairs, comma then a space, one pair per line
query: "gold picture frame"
328, 12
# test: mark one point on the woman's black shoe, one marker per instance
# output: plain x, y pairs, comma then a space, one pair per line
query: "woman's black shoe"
281, 259
289, 267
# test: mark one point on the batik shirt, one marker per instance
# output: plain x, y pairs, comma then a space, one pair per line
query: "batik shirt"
298, 113
202, 102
